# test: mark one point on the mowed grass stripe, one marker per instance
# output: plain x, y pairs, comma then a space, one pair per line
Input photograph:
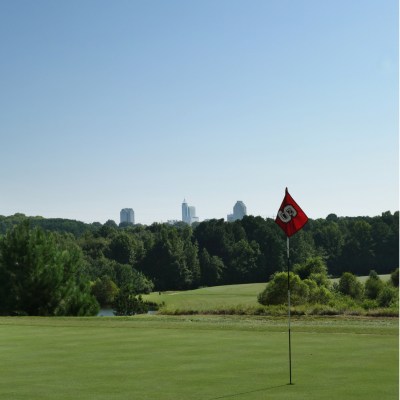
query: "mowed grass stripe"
71, 360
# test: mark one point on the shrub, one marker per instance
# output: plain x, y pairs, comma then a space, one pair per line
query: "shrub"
369, 304
350, 286
105, 290
394, 277
127, 303
388, 297
276, 291
316, 293
373, 286
321, 280
313, 265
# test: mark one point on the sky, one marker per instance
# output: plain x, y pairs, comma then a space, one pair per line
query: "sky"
140, 104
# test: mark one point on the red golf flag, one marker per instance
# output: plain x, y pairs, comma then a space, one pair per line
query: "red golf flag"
291, 218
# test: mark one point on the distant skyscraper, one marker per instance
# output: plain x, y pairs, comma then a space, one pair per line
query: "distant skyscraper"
188, 213
239, 211
185, 212
127, 215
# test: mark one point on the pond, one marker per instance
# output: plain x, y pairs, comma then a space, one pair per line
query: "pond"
106, 312
109, 312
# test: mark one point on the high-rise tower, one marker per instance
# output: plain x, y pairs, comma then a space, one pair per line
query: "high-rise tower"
127, 215
185, 212
188, 213
239, 211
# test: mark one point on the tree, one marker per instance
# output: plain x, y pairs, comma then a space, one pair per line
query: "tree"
245, 264
276, 291
388, 296
122, 248
394, 277
270, 240
312, 266
136, 281
126, 303
329, 238
357, 254
302, 246
42, 274
172, 262
212, 269
332, 217
373, 286
111, 223
350, 286
105, 291
216, 238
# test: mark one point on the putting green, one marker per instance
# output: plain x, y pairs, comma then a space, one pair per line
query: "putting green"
200, 358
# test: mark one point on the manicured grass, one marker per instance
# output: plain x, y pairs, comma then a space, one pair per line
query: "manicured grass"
216, 297
197, 358
362, 279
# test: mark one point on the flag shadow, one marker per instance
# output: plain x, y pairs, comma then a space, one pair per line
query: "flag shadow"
248, 392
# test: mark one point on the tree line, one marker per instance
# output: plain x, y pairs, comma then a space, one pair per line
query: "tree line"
134, 259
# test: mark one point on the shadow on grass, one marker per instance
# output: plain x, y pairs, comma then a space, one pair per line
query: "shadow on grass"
248, 392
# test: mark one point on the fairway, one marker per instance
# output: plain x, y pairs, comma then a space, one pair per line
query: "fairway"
209, 298
199, 358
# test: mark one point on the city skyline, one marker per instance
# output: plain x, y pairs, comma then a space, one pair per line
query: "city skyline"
130, 215
142, 102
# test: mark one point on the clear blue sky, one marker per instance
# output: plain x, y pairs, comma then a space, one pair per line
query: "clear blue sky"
113, 104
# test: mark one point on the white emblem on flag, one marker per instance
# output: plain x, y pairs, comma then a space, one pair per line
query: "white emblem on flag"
287, 213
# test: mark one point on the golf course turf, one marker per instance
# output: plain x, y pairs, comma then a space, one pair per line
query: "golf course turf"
199, 358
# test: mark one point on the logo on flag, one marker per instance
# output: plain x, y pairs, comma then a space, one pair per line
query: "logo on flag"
291, 218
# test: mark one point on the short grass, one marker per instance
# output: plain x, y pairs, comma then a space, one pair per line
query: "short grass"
362, 279
210, 298
197, 358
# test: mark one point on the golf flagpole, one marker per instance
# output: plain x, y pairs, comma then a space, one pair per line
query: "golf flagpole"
291, 218
288, 288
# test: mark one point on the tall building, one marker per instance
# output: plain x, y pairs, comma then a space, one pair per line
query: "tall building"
189, 213
127, 215
239, 211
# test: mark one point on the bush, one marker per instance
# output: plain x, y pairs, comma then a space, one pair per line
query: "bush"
394, 277
350, 286
313, 265
388, 297
373, 286
105, 291
369, 304
126, 303
276, 291
321, 280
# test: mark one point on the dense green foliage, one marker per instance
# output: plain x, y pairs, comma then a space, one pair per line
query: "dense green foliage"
309, 284
126, 303
165, 257
41, 274
77, 228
